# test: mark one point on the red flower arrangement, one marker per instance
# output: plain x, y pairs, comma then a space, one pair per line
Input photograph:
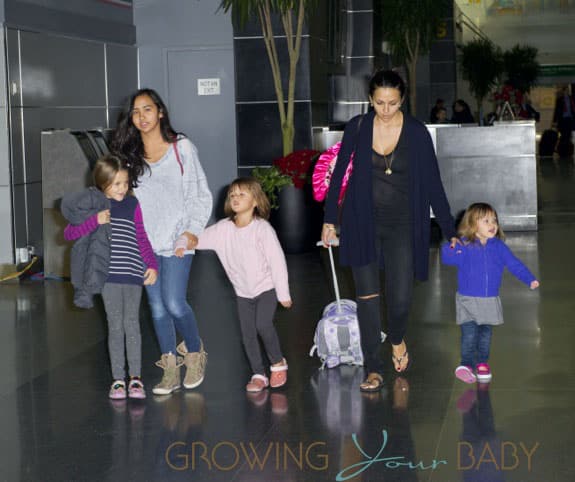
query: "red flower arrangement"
507, 93
297, 166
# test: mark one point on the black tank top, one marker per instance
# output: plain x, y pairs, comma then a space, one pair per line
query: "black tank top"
391, 185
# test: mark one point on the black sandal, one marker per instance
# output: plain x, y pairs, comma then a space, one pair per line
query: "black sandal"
373, 383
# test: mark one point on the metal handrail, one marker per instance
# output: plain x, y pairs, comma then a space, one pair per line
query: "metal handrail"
463, 19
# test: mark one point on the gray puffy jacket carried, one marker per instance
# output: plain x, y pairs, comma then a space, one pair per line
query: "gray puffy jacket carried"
90, 256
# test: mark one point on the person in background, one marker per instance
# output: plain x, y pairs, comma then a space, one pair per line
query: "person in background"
564, 117
462, 113
434, 114
441, 117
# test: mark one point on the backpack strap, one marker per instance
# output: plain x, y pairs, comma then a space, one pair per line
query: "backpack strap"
174, 144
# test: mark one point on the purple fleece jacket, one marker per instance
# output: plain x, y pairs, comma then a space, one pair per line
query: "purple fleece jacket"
480, 267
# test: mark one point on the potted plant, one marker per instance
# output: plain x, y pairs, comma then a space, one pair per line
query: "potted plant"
409, 31
521, 67
481, 64
287, 185
272, 181
292, 14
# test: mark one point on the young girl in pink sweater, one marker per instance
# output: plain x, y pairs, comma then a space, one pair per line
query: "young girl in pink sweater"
252, 257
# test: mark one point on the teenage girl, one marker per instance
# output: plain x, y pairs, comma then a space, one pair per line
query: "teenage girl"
172, 188
113, 246
480, 262
252, 257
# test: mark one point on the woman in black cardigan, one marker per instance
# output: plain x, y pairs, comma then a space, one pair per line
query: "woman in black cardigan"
385, 218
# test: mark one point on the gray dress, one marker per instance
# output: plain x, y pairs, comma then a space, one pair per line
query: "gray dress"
484, 311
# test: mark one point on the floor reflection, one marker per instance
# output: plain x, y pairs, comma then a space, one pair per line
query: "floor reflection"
58, 424
480, 447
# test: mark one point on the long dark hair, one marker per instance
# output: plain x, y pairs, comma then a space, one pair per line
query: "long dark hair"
127, 142
389, 79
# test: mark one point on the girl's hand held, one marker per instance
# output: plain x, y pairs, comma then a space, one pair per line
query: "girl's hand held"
192, 240
150, 276
104, 216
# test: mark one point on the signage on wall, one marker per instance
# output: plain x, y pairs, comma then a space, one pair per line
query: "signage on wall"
565, 70
208, 86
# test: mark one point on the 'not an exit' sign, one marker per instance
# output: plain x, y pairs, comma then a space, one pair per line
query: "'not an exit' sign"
208, 86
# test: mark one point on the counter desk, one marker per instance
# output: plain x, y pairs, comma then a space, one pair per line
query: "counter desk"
494, 164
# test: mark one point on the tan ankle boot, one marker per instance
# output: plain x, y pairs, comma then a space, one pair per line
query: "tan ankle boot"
195, 365
171, 378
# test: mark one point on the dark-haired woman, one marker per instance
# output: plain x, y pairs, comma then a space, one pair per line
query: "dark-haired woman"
171, 186
462, 113
385, 218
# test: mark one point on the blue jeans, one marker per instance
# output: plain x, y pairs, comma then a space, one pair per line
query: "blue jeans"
475, 343
169, 306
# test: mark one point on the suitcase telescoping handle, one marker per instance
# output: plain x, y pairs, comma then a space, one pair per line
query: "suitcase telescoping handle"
333, 273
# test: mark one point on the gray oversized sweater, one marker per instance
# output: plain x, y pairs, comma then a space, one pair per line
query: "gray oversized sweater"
173, 199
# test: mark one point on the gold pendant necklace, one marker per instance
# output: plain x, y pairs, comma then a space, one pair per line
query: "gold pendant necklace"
388, 170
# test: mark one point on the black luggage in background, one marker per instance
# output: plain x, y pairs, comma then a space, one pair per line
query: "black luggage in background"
548, 142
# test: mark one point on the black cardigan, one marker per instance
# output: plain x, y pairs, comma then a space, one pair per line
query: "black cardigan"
357, 245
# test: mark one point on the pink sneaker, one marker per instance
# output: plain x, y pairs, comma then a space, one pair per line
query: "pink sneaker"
483, 373
465, 374
278, 377
136, 388
117, 390
257, 383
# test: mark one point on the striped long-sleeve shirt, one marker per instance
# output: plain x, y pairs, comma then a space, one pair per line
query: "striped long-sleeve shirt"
130, 250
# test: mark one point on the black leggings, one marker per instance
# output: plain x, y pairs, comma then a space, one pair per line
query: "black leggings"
257, 319
395, 253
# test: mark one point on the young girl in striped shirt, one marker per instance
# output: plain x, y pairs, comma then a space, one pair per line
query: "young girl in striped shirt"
131, 264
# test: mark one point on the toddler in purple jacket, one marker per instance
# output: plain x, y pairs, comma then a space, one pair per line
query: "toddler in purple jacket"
480, 262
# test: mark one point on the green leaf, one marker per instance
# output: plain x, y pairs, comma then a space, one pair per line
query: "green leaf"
481, 65
271, 180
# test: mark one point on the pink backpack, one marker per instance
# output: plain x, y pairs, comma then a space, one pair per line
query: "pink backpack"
323, 170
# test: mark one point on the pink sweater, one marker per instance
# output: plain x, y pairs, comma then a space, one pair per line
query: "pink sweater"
251, 256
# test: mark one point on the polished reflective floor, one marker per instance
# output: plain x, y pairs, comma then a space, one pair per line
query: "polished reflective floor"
58, 424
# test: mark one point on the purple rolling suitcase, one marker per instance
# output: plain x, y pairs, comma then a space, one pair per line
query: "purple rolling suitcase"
337, 338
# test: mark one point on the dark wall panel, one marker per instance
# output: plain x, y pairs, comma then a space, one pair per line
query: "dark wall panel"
78, 18
259, 132
360, 33
56, 82
252, 28
254, 79
59, 71
122, 69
